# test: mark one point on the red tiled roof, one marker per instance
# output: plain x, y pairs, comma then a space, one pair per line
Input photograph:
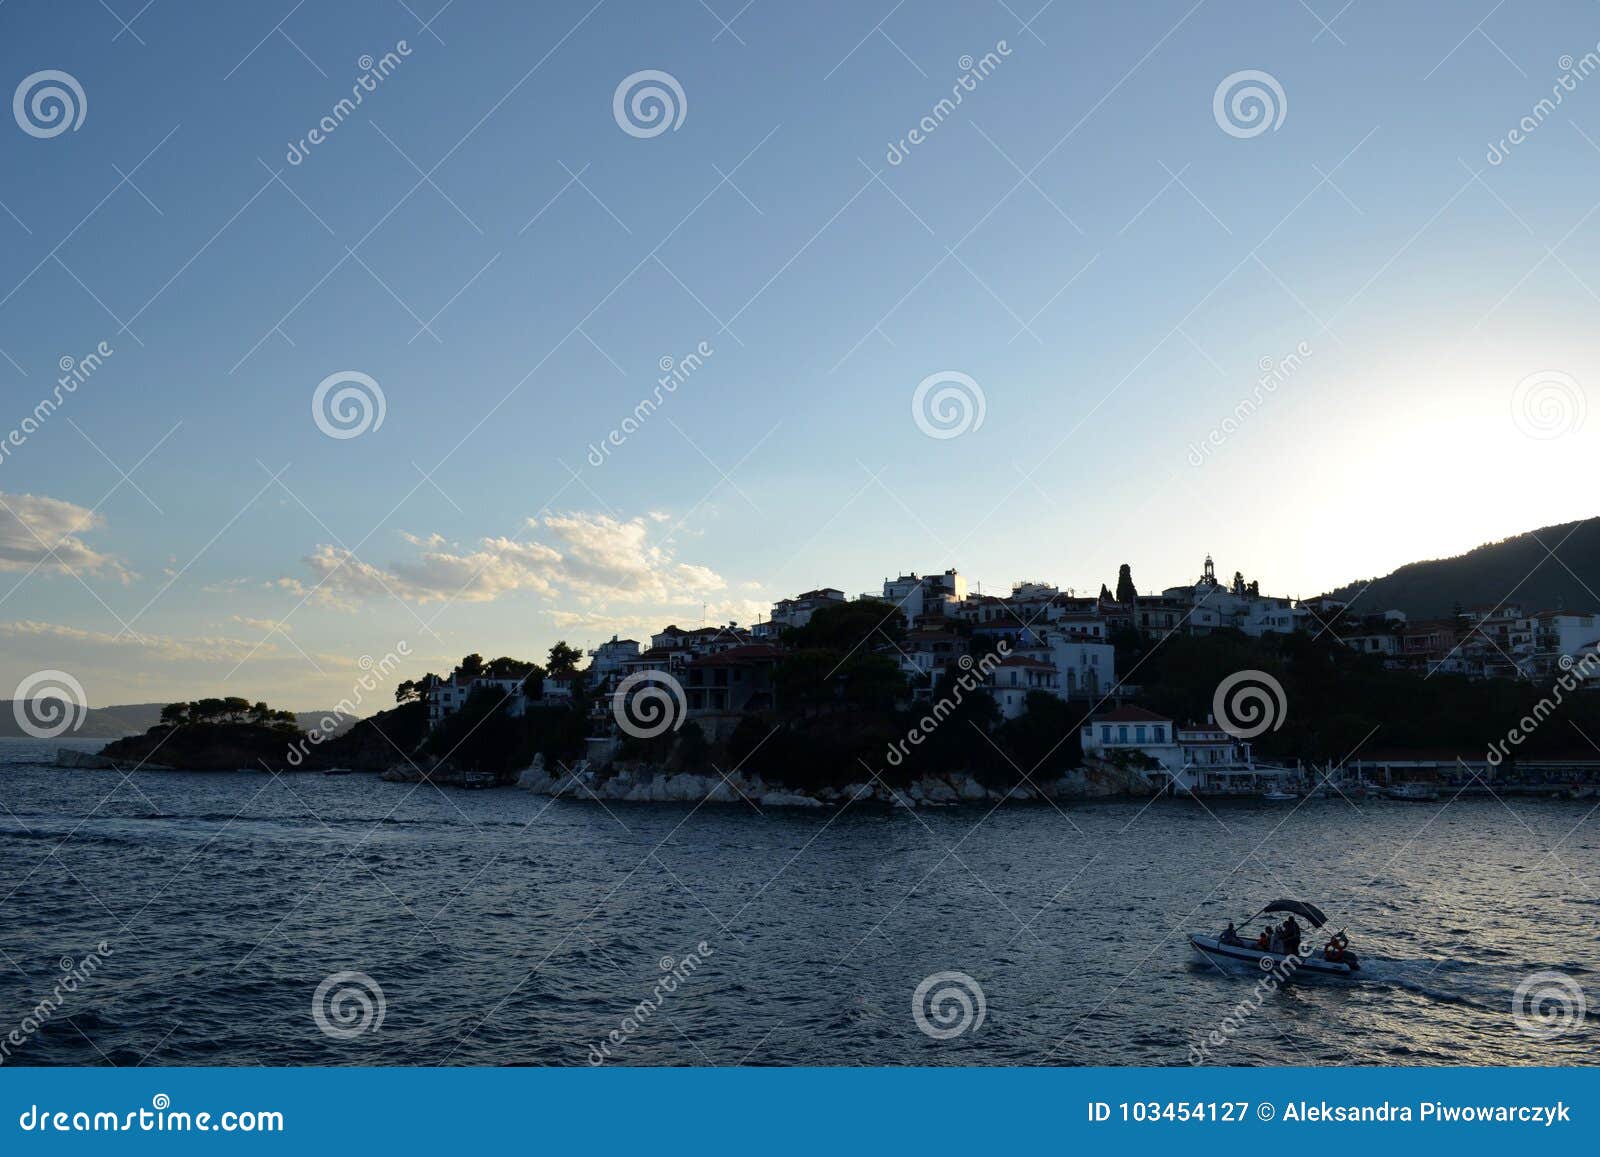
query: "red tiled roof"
734, 656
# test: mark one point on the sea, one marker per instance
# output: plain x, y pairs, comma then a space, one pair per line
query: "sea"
246, 918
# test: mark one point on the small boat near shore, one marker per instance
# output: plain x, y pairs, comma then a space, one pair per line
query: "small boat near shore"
1278, 795
1412, 791
1335, 959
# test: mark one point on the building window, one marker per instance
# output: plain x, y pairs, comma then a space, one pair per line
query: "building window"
1138, 733
1105, 735
1161, 734
1122, 734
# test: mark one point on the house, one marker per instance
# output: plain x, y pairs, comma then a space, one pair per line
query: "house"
560, 689
1015, 677
925, 655
606, 661
797, 612
447, 696
1086, 665
1210, 606
720, 687
1129, 729
933, 596
1562, 639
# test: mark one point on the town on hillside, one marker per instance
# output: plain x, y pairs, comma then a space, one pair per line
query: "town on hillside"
1041, 641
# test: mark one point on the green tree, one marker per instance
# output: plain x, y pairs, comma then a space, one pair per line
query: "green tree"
564, 658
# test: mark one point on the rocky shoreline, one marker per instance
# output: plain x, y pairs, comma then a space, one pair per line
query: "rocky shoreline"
638, 782
644, 783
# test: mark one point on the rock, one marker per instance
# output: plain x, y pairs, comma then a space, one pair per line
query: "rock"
970, 790
916, 793
83, 760
938, 791
787, 799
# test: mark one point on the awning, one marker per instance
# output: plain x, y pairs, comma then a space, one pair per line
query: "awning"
1311, 912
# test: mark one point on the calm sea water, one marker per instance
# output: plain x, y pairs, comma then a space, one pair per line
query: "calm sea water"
508, 929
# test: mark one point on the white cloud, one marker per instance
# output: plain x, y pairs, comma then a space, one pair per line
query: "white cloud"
266, 625
590, 559
167, 648
39, 532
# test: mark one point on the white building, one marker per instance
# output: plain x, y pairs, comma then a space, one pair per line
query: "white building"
1199, 758
1216, 607
1131, 730
447, 696
934, 595
797, 612
1015, 677
606, 661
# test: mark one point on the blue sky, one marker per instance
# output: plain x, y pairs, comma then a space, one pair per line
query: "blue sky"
1080, 237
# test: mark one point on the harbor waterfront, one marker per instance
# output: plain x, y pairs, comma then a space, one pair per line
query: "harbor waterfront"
501, 927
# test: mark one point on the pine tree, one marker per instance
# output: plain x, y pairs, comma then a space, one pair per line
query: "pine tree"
1126, 591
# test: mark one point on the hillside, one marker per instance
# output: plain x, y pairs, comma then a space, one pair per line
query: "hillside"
132, 719
1517, 570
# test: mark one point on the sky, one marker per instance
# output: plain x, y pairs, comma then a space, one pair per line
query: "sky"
378, 390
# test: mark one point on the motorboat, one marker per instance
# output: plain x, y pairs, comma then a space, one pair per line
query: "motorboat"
1278, 795
1334, 959
1412, 791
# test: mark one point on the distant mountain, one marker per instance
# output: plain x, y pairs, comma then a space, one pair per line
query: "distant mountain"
1517, 571
133, 719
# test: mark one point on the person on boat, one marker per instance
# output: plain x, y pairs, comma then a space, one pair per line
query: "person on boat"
1264, 941
1276, 944
1291, 936
1230, 936
1335, 948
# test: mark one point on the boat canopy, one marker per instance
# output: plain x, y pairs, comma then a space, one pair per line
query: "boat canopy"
1300, 908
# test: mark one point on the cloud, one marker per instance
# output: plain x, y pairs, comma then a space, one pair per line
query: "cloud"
266, 625
42, 533
590, 559
642, 625
167, 648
